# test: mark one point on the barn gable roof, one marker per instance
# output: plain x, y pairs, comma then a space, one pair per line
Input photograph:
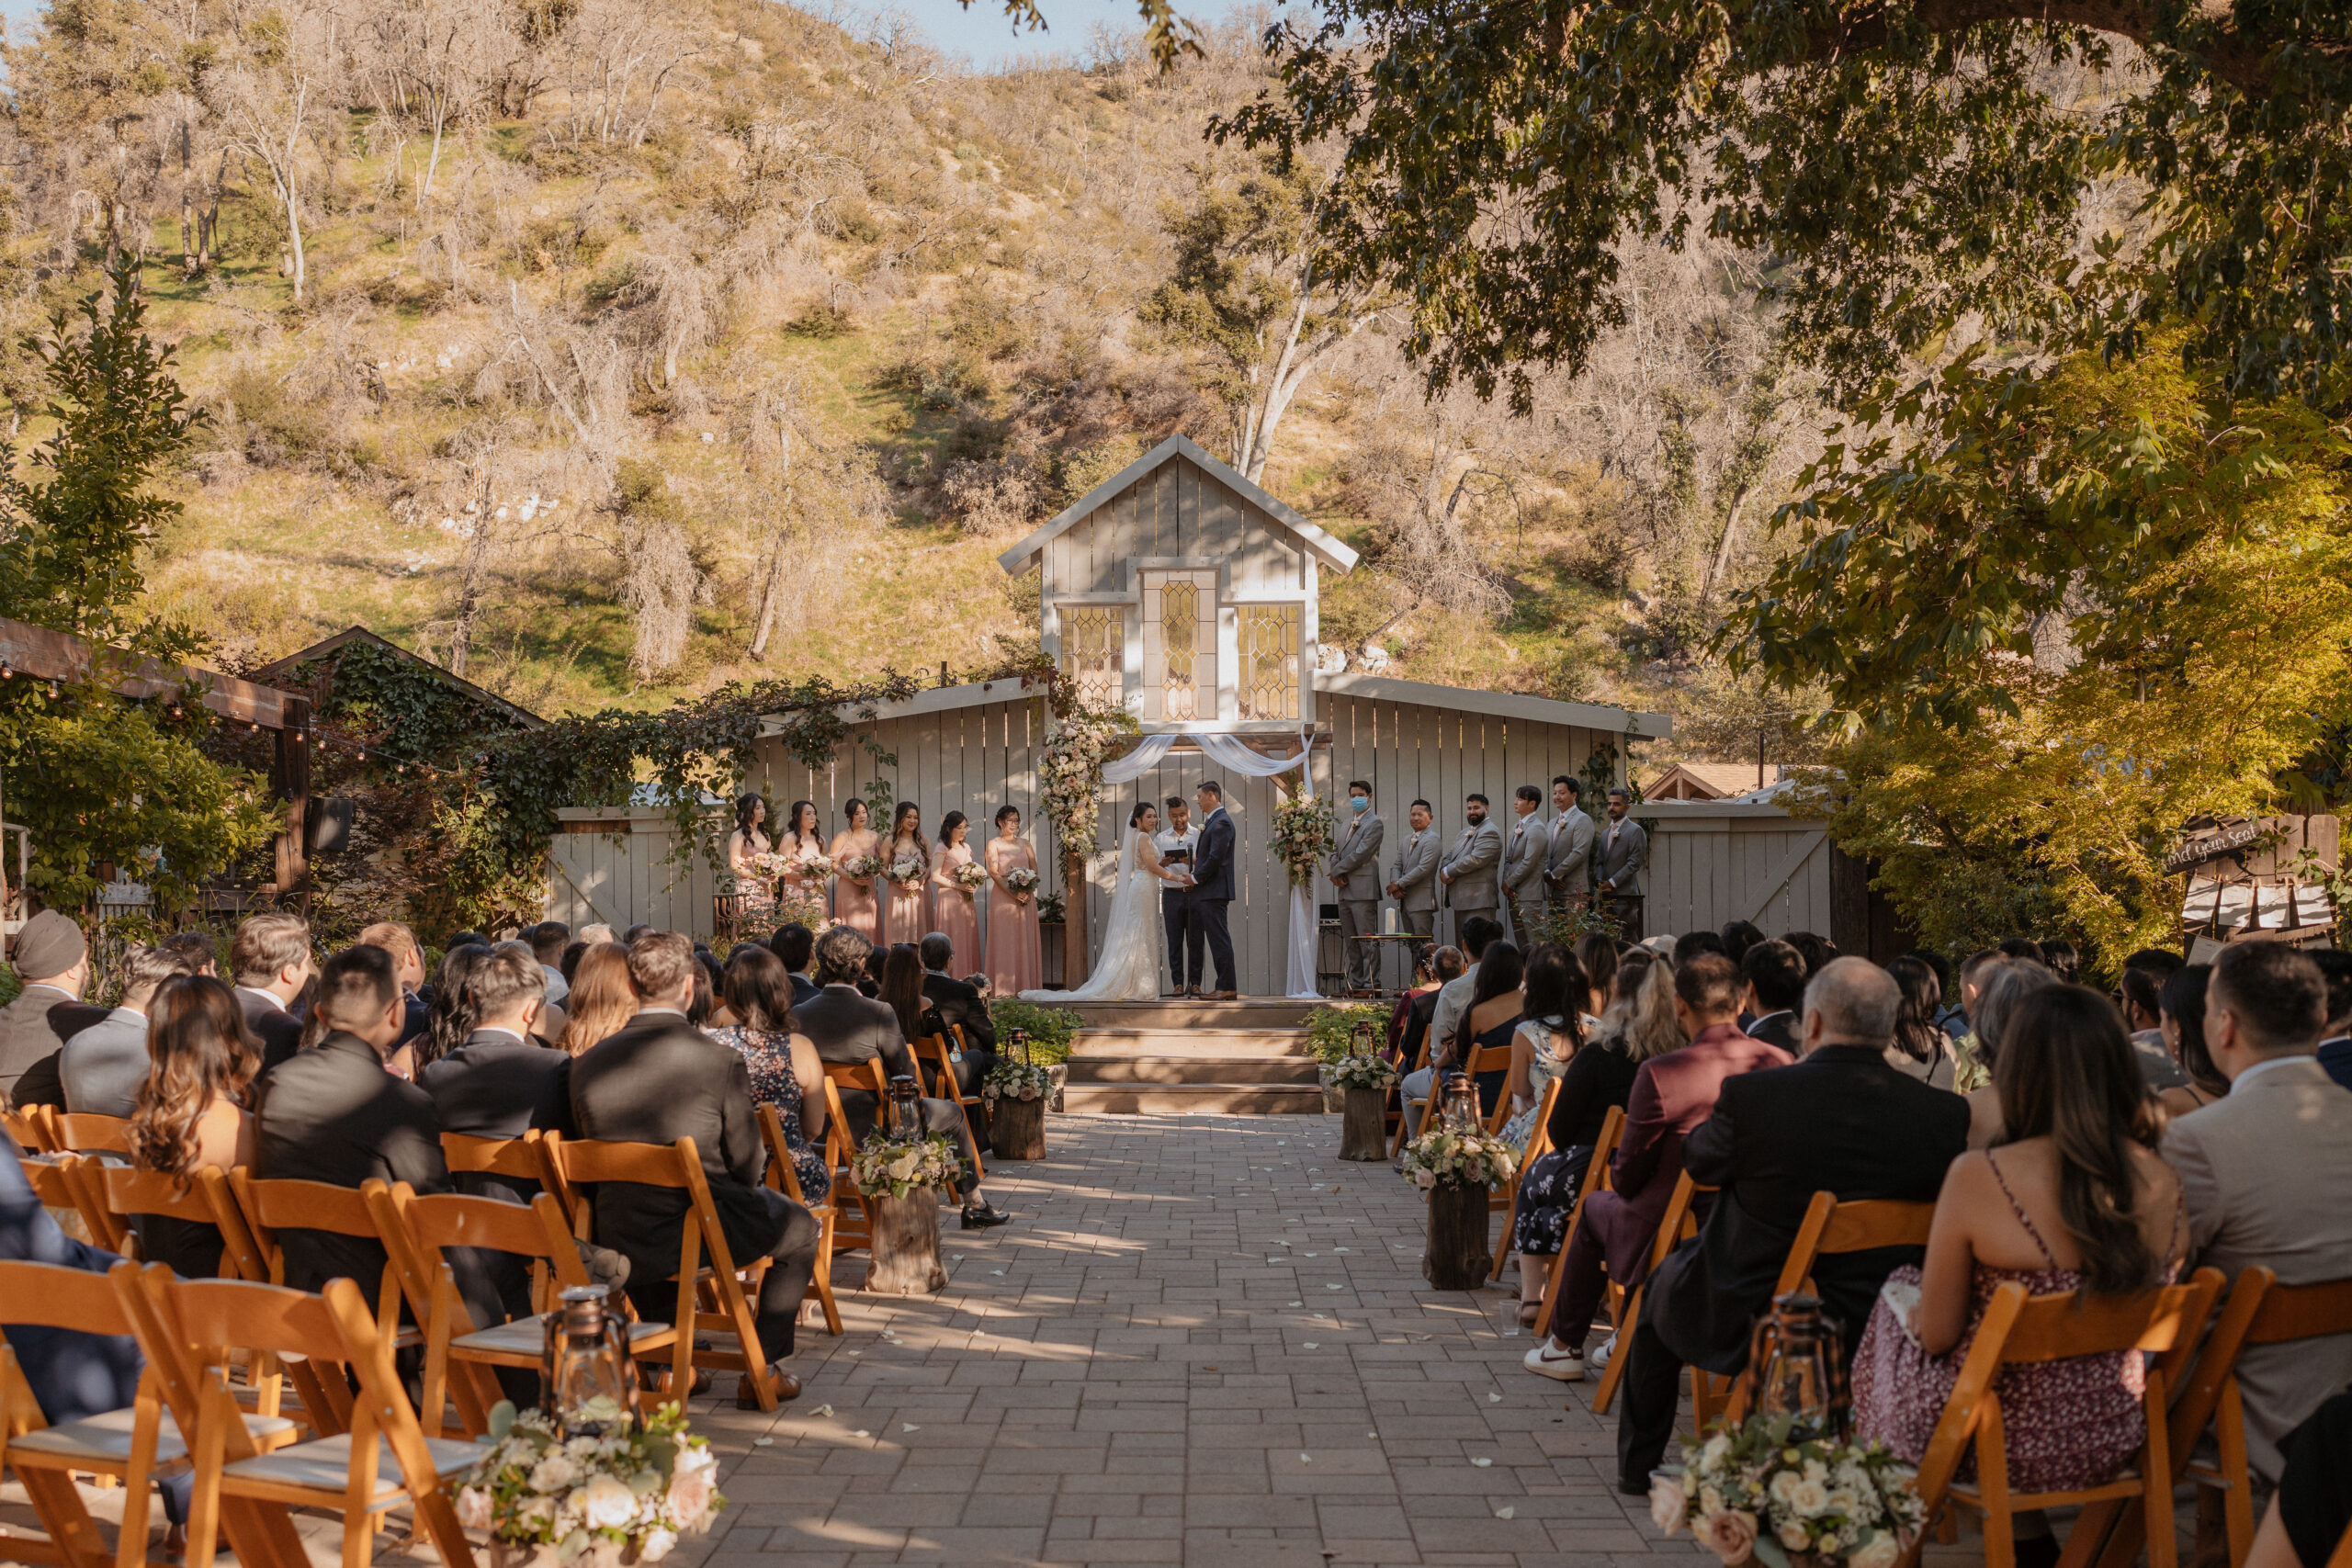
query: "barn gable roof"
1324, 547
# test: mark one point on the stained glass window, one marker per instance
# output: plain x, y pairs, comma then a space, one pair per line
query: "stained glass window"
1180, 600
1270, 637
1094, 647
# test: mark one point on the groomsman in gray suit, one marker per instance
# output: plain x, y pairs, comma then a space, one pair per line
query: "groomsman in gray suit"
1355, 881
1412, 882
1523, 859
1567, 866
1619, 853
1470, 873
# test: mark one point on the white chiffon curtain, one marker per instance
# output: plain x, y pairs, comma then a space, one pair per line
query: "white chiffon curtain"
1228, 752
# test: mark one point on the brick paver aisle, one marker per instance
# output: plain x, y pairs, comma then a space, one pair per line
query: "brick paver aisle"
1205, 1341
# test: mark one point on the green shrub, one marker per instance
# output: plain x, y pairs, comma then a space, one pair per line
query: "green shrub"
1050, 1030
1330, 1031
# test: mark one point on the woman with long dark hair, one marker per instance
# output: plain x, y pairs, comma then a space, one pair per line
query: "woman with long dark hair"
784, 1067
1015, 948
2074, 1198
802, 840
908, 917
191, 1112
1921, 1049
1550, 1030
855, 903
955, 909
2181, 1006
744, 846
453, 1015
1490, 1019
900, 986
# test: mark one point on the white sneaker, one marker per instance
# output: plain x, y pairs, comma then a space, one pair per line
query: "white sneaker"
1598, 1359
1548, 1361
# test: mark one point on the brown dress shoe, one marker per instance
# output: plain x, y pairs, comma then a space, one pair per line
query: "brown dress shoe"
787, 1386
1221, 996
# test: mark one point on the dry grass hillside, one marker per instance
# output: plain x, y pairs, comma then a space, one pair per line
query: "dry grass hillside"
614, 348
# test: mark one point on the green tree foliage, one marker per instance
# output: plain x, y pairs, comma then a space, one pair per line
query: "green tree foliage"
1903, 163
2077, 609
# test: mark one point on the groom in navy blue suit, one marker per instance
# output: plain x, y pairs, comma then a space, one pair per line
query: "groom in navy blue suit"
1213, 883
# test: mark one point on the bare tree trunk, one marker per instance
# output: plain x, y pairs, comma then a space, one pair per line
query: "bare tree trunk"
187, 207
1715, 569
769, 595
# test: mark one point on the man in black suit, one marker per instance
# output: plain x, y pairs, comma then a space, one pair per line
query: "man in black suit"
333, 1114
1213, 884
849, 1029
953, 1004
1839, 1121
271, 961
1775, 974
795, 944
656, 1079
501, 1083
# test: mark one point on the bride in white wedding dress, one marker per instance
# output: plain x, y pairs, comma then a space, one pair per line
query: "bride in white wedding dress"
1128, 969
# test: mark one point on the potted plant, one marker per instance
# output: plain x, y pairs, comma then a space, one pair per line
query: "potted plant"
1363, 1080
1457, 1166
1771, 1491
901, 1176
590, 1502
1015, 1091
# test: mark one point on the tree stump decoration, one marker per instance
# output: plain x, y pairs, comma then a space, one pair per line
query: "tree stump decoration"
1457, 1257
1364, 1132
1017, 1128
904, 1260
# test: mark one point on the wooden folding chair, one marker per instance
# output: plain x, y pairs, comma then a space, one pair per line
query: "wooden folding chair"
23, 1129
518, 1159
192, 1324
87, 1133
58, 1181
420, 1233
1678, 1224
1828, 1229
679, 1167
2017, 1329
1406, 1125
784, 1180
1539, 1143
1596, 1179
866, 1078
852, 1225
271, 1206
974, 1108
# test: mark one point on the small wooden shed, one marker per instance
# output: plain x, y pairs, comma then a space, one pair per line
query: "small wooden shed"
1713, 862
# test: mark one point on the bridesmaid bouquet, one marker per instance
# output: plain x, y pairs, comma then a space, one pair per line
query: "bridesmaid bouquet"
809, 868
905, 872
1021, 880
861, 868
772, 867
1760, 1492
971, 876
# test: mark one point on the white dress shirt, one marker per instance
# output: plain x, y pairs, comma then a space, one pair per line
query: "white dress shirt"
1169, 839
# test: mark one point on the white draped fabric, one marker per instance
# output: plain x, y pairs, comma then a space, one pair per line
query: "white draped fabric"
1139, 762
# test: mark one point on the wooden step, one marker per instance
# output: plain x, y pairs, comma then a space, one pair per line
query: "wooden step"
1249, 1013
1196, 1099
1154, 1067
1236, 1043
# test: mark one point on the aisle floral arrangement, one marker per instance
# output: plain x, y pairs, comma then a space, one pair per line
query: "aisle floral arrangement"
861, 868
884, 1166
1469, 1159
1303, 834
1010, 1079
971, 876
1760, 1492
634, 1490
1359, 1071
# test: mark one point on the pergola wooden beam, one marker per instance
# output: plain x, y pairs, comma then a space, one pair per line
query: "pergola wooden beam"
47, 655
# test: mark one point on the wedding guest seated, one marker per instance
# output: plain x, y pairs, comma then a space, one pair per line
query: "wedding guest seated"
2267, 1170
1815, 951
271, 961
1598, 954
408, 967
2182, 1002
571, 962
1774, 974
1551, 1027
1491, 1020
54, 963
706, 977
500, 1082
597, 934
850, 1030
953, 1002
2144, 1020
2074, 1198
2313, 1507
197, 953
449, 1018
1738, 937
1672, 1095
1920, 1049
782, 1065
1478, 933
103, 1069
2058, 957
1689, 944
1421, 982
2004, 990
1599, 1077
796, 945
548, 942
332, 1113
190, 1111
659, 1079
1841, 1120
1442, 965
602, 999
2336, 1039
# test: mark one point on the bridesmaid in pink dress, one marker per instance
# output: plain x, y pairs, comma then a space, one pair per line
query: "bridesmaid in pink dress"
1016, 961
854, 904
909, 916
954, 908
800, 842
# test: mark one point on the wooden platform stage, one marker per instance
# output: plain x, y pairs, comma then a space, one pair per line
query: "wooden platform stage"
1247, 1057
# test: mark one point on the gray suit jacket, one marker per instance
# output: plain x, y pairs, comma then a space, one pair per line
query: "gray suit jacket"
104, 1067
1523, 855
1415, 871
1621, 862
25, 1035
1356, 856
2266, 1173
1474, 863
1567, 865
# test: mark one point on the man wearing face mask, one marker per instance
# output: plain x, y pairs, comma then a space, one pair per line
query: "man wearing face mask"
1355, 880
1473, 890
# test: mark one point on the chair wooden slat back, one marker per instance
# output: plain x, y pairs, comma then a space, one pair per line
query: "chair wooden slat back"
853, 1225
48, 1295
787, 1181
868, 1077
88, 1132
59, 1181
270, 1206
1678, 1224
1596, 1176
514, 1157
2302, 1312
241, 1250
1539, 1143
24, 1129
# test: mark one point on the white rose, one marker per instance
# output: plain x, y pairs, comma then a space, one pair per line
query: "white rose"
690, 1491
473, 1507
1425, 1180
656, 1545
553, 1474
1843, 1502
1668, 1501
1784, 1484
1810, 1499
1880, 1551
605, 1503
1710, 1499
903, 1167
1717, 1450
1794, 1536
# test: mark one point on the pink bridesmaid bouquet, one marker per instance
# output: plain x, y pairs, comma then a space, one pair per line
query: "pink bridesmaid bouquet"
971, 876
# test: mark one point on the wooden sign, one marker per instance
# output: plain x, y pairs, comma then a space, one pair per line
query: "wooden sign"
2231, 838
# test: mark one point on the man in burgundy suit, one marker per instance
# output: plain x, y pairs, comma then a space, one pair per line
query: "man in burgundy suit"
1672, 1094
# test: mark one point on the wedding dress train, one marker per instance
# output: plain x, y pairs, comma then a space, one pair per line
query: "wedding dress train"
1128, 968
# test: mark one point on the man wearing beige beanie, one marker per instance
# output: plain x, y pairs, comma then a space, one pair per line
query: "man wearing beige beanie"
54, 962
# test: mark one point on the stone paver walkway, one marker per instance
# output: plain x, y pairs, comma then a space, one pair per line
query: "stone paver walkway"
1205, 1341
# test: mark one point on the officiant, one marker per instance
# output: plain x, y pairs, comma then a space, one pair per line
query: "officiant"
1186, 938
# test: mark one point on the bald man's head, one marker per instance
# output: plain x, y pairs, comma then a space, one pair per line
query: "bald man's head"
1851, 1002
